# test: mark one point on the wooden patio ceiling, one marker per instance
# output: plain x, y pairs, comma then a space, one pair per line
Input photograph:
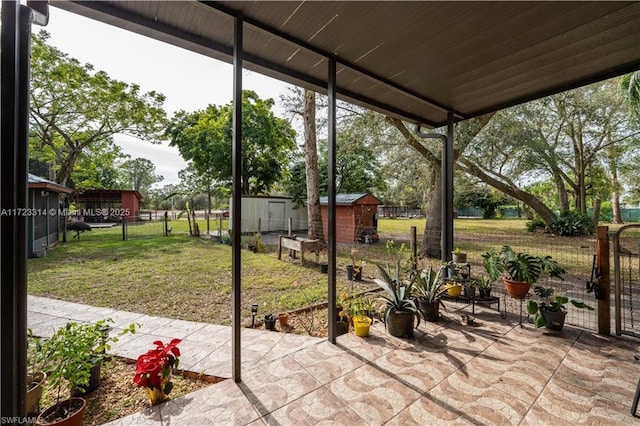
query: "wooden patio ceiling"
412, 60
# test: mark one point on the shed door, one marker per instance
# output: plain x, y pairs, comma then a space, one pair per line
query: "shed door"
276, 216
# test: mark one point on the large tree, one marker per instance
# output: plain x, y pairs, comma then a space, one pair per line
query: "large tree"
204, 137
73, 109
431, 151
302, 103
570, 139
357, 169
139, 175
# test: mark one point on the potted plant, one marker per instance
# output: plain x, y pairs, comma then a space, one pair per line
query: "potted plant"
519, 270
270, 322
70, 355
354, 271
400, 309
484, 286
454, 289
361, 313
154, 369
469, 289
283, 319
429, 288
322, 260
459, 256
35, 374
552, 311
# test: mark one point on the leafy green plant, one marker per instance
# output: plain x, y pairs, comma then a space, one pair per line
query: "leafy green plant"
73, 350
551, 303
522, 267
483, 283
458, 250
571, 223
535, 223
397, 293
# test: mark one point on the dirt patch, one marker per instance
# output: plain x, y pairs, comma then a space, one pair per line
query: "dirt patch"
117, 396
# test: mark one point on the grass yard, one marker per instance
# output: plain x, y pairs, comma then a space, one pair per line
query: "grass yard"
177, 276
190, 278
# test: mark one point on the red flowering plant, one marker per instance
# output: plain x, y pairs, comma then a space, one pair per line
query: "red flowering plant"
154, 369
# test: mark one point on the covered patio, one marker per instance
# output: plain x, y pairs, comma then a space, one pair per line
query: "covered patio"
428, 63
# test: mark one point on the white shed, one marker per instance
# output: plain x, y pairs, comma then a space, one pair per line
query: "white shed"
267, 213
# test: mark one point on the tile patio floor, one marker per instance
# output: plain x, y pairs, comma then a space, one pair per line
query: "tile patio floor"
492, 373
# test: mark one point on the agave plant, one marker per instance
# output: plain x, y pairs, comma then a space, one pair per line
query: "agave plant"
428, 284
521, 267
397, 295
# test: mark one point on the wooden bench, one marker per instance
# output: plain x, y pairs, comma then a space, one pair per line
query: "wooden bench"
296, 244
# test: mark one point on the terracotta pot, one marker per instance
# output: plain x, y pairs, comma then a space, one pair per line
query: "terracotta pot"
75, 405
283, 319
516, 289
34, 393
361, 325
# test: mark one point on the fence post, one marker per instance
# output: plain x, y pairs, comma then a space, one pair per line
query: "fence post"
259, 225
124, 229
414, 248
166, 223
220, 225
292, 253
602, 264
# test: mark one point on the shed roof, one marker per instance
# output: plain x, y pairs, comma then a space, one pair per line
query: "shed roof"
412, 60
36, 182
349, 199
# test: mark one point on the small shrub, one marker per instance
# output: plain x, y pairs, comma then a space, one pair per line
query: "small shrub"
573, 224
536, 223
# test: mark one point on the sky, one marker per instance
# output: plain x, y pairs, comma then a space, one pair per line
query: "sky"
189, 81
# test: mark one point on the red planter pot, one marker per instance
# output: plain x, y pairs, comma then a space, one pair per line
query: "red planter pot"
516, 289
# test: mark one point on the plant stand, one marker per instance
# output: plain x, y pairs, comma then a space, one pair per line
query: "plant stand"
504, 314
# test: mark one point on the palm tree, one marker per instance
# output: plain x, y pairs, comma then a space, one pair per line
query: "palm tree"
630, 86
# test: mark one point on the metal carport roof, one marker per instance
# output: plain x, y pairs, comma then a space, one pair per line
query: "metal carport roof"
411, 60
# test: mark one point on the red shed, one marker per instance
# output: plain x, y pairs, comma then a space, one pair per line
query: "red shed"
356, 217
109, 205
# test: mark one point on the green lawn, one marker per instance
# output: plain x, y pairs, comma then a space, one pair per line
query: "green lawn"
177, 276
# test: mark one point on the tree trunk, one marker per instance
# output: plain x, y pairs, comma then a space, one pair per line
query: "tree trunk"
562, 192
431, 238
311, 162
596, 210
615, 194
545, 213
67, 167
